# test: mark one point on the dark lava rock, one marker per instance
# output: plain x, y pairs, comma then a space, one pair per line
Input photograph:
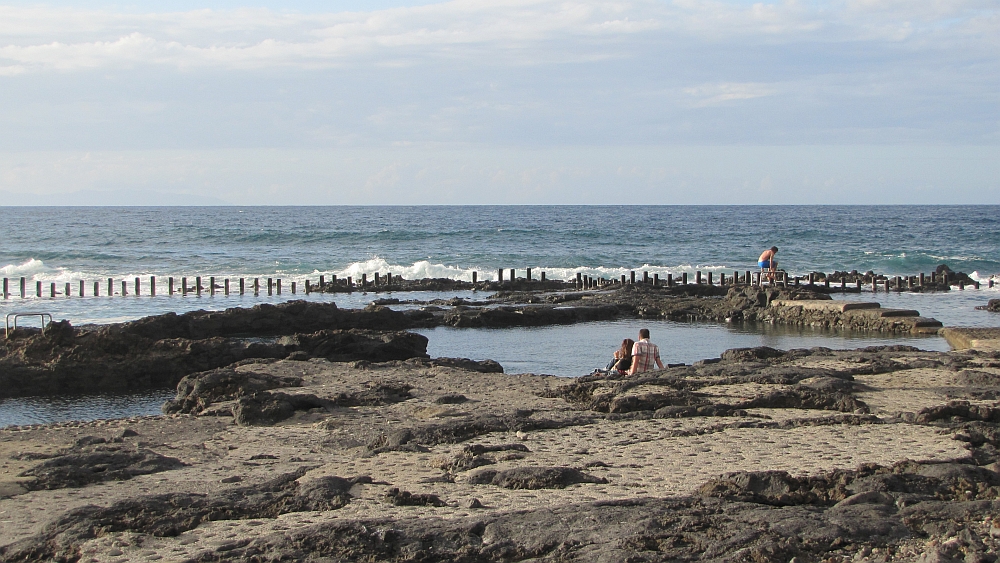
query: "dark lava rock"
455, 431
751, 354
348, 345
478, 455
406, 498
806, 398
89, 463
961, 410
173, 513
264, 408
991, 305
533, 478
197, 391
451, 399
120, 358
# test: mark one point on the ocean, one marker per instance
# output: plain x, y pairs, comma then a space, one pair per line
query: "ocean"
67, 244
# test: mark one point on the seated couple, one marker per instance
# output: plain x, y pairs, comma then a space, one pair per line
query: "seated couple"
635, 357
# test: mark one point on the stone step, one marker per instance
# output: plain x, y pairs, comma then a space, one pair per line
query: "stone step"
898, 313
833, 306
972, 338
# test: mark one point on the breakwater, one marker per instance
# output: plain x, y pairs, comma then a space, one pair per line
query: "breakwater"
943, 279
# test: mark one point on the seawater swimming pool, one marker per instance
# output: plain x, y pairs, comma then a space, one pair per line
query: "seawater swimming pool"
563, 350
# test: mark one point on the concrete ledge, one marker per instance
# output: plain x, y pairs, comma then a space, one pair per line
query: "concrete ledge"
898, 313
972, 338
825, 305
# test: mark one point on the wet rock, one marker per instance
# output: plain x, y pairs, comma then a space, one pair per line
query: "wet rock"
455, 431
348, 345
533, 478
991, 305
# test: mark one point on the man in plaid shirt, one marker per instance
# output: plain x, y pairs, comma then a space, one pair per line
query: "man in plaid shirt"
644, 354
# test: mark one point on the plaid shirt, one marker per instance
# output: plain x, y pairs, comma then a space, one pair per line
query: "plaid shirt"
644, 355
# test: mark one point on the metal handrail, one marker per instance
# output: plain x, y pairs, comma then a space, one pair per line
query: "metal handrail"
8, 327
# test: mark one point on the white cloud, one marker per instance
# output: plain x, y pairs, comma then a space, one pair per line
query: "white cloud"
714, 94
522, 31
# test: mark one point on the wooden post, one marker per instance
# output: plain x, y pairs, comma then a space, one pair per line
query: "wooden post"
322, 282
152, 286
256, 287
97, 289
376, 279
991, 283
5, 292
270, 286
52, 289
38, 289
670, 280
722, 279
543, 276
476, 275
293, 288
137, 287
631, 275
81, 288
826, 282
211, 286
512, 276
364, 280
197, 285
500, 275
749, 279
333, 280
579, 280
528, 275
67, 289
124, 288
656, 280
279, 286
843, 284
350, 283
242, 286
308, 288
684, 278
184, 286
226, 283
23, 295
170, 286
921, 279
645, 277
697, 277
111, 287
623, 280
859, 284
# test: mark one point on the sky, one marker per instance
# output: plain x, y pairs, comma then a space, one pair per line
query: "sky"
499, 102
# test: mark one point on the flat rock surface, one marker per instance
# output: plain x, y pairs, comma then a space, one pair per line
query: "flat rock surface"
487, 458
972, 338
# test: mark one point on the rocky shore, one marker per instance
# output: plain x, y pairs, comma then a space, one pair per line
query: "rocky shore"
877, 454
156, 352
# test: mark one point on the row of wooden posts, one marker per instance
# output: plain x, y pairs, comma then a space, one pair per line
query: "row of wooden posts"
274, 285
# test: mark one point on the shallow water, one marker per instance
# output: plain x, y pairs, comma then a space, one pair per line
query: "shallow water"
565, 350
575, 350
62, 408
